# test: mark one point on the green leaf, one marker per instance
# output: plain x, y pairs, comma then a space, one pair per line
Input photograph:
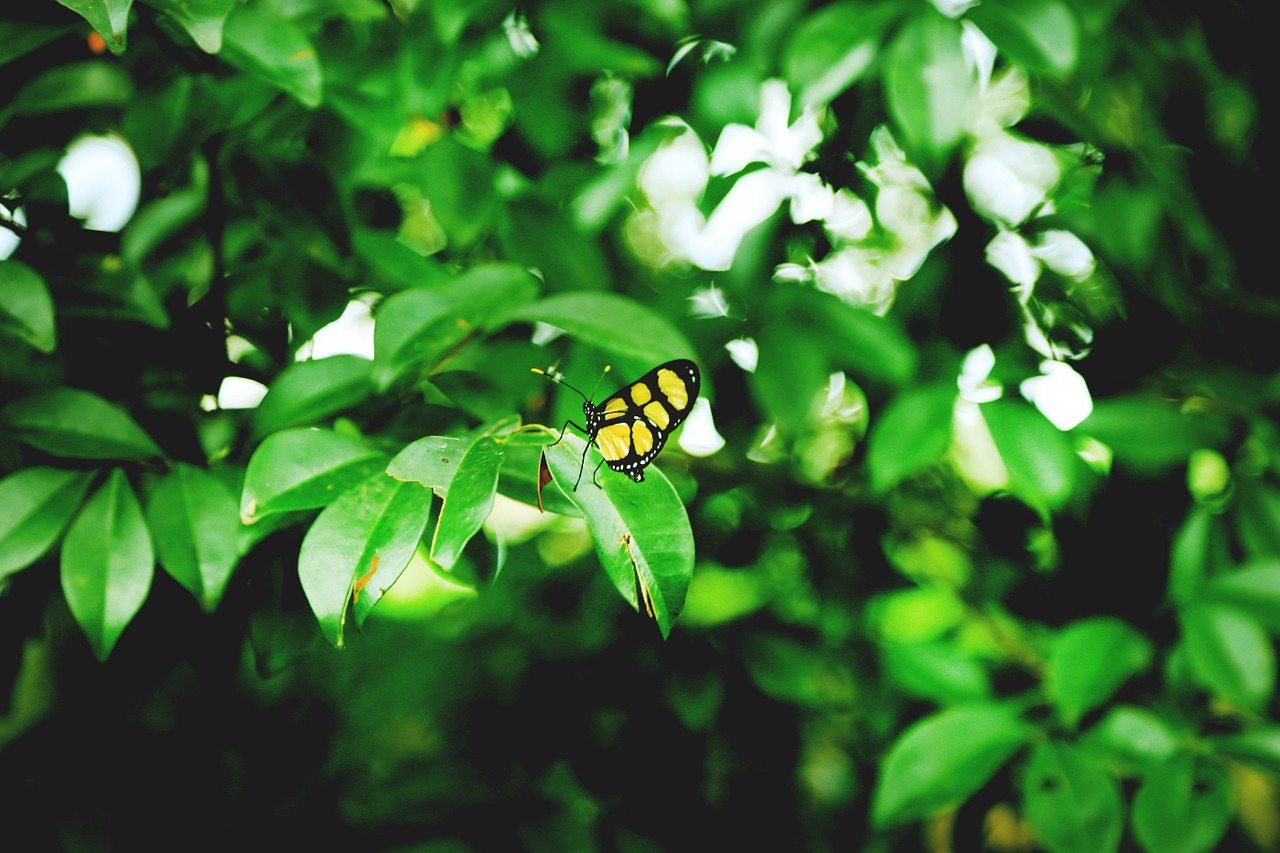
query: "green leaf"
1258, 745
1258, 518
941, 760
1040, 460
1199, 546
460, 185
107, 563
1254, 589
1134, 736
928, 108
1089, 662
790, 374
788, 670
913, 433
309, 391
854, 339
834, 47
26, 309
35, 506
640, 530
302, 469
936, 671
358, 547
109, 17
202, 19
430, 461
610, 322
77, 424
1072, 800
1149, 435
467, 501
1229, 653
1040, 35
93, 83
1183, 806
419, 327
18, 38
275, 50
195, 527
544, 238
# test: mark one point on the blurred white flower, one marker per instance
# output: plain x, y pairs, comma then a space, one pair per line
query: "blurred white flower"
350, 334
974, 380
699, 436
979, 51
9, 240
744, 353
237, 392
708, 302
1065, 254
858, 276
850, 217
973, 450
1060, 394
103, 181
1011, 254
774, 141
1007, 178
677, 171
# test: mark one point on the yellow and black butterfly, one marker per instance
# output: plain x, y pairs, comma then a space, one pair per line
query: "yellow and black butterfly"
632, 424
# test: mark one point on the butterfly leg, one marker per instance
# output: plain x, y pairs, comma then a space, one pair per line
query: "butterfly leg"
594, 472
582, 465
566, 426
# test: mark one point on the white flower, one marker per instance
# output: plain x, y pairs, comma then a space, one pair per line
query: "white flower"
1060, 394
708, 302
1011, 254
103, 181
974, 382
1065, 254
699, 436
677, 171
782, 146
856, 276
1007, 178
850, 218
744, 353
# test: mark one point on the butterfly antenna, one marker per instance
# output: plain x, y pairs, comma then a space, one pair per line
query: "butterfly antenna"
607, 368
558, 378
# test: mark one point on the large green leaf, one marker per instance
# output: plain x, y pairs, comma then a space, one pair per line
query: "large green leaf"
302, 469
418, 327
1089, 662
935, 670
468, 500
430, 461
1254, 589
1183, 806
1148, 435
275, 50
90, 84
1040, 460
940, 760
834, 47
1230, 653
358, 547
610, 322
107, 563
109, 17
1257, 518
912, 433
1040, 35
310, 391
78, 424
18, 38
195, 527
1072, 799
26, 309
640, 530
1135, 737
928, 85
1200, 546
35, 506
202, 19
1258, 745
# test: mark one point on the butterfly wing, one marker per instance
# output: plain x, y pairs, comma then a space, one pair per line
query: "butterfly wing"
631, 425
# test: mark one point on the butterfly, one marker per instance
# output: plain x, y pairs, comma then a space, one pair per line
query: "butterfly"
632, 424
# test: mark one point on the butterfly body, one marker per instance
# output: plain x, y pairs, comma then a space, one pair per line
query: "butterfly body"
631, 425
